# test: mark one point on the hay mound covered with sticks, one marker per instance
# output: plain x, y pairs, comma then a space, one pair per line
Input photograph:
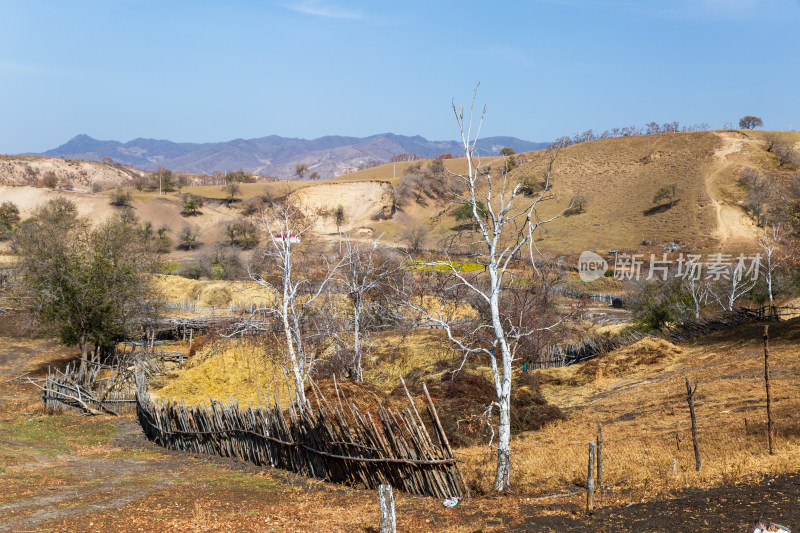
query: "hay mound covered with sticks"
461, 400
645, 352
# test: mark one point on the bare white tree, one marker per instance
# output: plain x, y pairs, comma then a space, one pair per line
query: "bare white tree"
728, 289
363, 272
501, 232
770, 260
293, 295
698, 289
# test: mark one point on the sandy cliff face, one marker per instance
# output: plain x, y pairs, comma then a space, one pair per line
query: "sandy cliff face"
71, 175
363, 203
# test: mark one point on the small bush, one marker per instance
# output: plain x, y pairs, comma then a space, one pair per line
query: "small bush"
466, 213
192, 204
188, 238
163, 242
578, 206
255, 205
9, 218
414, 237
243, 234
121, 198
50, 180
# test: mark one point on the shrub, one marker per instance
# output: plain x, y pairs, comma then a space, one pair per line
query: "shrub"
338, 215
243, 234
667, 192
188, 238
192, 204
578, 206
465, 212
255, 205
163, 242
50, 180
121, 198
414, 237
9, 218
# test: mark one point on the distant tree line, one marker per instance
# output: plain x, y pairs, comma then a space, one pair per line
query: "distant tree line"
652, 128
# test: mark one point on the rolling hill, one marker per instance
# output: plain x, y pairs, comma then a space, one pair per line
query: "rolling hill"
617, 178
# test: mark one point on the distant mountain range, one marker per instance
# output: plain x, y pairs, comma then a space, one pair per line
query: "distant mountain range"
273, 155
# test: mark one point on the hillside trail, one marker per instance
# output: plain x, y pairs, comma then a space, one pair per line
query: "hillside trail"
733, 224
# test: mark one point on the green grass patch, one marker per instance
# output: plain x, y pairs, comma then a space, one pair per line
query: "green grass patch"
234, 479
57, 434
443, 266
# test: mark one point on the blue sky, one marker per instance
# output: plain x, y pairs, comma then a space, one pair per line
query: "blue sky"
202, 71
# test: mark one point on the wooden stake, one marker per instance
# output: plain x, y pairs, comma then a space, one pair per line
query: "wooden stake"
769, 393
599, 456
690, 398
590, 483
388, 519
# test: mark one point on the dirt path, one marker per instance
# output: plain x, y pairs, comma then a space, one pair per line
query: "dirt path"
733, 224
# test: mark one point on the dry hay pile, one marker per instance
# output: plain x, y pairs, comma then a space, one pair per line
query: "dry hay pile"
225, 369
365, 395
645, 352
206, 292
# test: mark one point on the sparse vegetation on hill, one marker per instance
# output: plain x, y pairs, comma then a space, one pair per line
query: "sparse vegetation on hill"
55, 173
188, 238
121, 198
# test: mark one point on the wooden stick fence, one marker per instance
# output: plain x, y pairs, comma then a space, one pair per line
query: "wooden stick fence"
558, 355
339, 444
63, 391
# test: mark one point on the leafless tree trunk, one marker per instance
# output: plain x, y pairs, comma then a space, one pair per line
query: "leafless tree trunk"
505, 228
730, 290
699, 290
363, 272
292, 295
770, 260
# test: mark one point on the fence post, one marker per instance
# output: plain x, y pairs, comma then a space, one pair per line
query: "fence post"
599, 456
690, 398
769, 393
590, 481
388, 519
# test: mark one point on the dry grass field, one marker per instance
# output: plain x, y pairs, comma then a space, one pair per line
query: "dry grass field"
638, 394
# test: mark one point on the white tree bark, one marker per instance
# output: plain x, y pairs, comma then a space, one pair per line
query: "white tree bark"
770, 261
285, 306
502, 231
363, 271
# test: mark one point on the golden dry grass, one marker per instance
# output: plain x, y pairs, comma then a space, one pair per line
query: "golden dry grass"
211, 292
229, 369
643, 408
